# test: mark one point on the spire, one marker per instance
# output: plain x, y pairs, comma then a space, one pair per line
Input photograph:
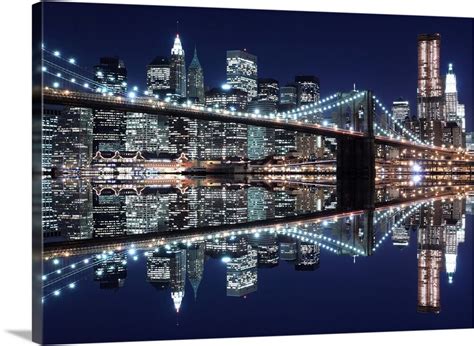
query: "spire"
177, 299
177, 47
195, 62
451, 86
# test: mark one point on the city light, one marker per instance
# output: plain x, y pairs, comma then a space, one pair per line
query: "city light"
225, 259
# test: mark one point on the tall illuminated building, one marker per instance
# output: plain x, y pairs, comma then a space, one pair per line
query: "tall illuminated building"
72, 204
158, 76
285, 141
308, 92
178, 277
49, 128
196, 79
178, 68
260, 204
111, 74
268, 90
288, 97
308, 256
167, 268
142, 214
430, 259
261, 140
195, 265
268, 250
111, 270
142, 132
183, 136
109, 125
74, 138
225, 139
400, 109
308, 89
288, 251
242, 274
158, 266
242, 72
147, 132
430, 90
400, 237
109, 215
453, 111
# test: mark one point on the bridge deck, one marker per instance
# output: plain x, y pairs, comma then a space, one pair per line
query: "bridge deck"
152, 106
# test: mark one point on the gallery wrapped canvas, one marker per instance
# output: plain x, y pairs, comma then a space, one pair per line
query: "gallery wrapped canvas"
212, 173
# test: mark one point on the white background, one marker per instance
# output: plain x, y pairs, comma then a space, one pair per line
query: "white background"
15, 166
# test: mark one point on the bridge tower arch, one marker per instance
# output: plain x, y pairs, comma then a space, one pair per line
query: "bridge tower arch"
355, 170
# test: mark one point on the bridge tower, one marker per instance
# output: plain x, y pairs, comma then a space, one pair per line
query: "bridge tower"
356, 160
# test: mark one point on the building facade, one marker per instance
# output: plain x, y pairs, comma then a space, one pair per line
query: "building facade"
178, 68
430, 90
196, 80
242, 72
158, 77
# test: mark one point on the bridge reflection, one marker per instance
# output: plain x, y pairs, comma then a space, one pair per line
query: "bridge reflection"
171, 257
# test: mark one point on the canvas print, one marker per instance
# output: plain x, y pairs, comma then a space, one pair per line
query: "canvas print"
205, 173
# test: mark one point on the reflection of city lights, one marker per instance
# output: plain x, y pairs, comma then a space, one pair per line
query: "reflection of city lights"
416, 167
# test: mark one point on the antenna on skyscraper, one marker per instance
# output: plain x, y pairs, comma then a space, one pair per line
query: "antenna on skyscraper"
177, 27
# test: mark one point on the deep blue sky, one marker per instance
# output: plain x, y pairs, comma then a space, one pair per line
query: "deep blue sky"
375, 51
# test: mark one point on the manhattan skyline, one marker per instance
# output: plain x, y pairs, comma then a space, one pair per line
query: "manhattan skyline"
294, 43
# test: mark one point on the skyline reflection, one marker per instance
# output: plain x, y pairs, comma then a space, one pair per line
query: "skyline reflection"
172, 231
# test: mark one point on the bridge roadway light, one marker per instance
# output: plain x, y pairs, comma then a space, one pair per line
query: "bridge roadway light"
55, 85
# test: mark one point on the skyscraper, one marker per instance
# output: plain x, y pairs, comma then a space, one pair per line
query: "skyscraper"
400, 109
178, 277
195, 265
261, 140
158, 76
242, 274
453, 110
142, 133
268, 90
288, 97
430, 239
196, 79
73, 143
430, 91
109, 125
225, 139
112, 75
308, 89
178, 68
242, 72
285, 141
111, 272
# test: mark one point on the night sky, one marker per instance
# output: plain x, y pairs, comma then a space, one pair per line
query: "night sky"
376, 52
